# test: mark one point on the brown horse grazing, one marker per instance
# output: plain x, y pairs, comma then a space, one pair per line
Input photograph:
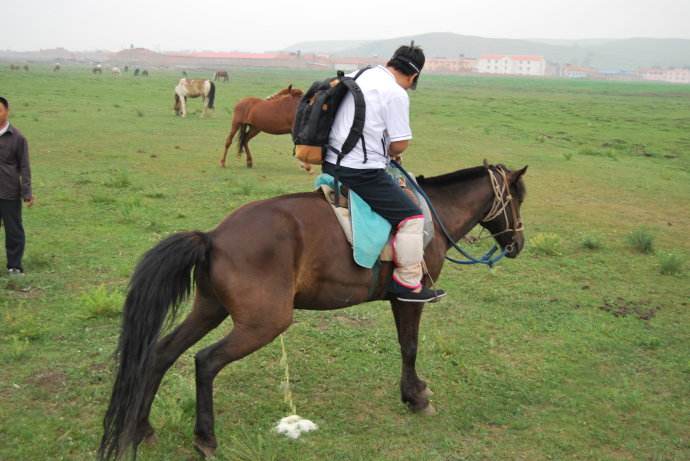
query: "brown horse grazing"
263, 261
251, 116
221, 74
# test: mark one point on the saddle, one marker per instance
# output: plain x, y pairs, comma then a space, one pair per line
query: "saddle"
368, 233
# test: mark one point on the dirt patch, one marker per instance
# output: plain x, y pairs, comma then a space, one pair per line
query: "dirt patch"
49, 381
353, 321
622, 308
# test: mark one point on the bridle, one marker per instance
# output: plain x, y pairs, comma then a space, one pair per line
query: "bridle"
502, 199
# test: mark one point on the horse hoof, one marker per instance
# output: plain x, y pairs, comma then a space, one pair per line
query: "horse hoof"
429, 410
426, 393
205, 450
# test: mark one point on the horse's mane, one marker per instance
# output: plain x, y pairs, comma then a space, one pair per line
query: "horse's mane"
285, 92
469, 174
454, 177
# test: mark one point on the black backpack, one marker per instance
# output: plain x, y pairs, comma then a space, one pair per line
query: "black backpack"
315, 115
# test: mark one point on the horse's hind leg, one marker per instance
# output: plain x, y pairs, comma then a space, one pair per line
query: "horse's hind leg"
257, 327
248, 137
413, 391
228, 142
206, 314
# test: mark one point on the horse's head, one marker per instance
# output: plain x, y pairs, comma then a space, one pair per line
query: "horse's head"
289, 91
295, 92
503, 219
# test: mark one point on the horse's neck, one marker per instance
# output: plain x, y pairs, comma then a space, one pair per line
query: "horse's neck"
461, 205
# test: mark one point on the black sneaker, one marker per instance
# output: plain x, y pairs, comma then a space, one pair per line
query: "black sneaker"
425, 295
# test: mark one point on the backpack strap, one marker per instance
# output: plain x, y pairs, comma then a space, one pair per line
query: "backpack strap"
357, 130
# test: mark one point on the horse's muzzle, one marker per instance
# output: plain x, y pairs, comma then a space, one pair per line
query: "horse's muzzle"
514, 248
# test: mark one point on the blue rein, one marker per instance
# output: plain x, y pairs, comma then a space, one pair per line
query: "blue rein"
488, 258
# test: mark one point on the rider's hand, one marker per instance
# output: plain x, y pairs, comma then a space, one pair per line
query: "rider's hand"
29, 202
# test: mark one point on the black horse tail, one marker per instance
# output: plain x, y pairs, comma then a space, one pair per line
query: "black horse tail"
211, 95
244, 130
161, 281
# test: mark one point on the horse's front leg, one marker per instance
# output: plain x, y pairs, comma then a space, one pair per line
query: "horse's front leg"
413, 391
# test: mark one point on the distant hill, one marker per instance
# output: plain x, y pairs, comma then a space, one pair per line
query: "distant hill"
625, 54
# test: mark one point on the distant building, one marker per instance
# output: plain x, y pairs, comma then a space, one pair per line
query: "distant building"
671, 75
506, 64
459, 65
347, 64
572, 71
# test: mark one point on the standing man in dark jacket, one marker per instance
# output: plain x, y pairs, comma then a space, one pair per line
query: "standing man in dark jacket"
15, 186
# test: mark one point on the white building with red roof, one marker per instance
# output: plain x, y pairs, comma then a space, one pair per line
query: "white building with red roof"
512, 64
677, 75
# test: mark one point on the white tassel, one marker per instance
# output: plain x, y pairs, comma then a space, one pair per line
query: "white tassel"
293, 426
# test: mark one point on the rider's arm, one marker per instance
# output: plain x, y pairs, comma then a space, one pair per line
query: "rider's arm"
397, 147
397, 120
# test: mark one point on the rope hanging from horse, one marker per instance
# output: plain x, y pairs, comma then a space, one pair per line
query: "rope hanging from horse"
499, 205
293, 425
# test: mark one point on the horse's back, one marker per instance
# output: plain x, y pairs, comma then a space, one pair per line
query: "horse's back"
292, 239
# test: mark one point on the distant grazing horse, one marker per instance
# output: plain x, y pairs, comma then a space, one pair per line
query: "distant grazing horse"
56, 68
126, 68
116, 71
26, 68
188, 88
14, 67
262, 262
145, 73
136, 72
221, 74
251, 116
184, 74
98, 69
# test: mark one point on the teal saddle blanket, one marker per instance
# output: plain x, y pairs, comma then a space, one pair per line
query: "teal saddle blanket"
370, 231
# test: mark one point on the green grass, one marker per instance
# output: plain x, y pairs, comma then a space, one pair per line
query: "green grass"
573, 354
546, 244
641, 240
670, 264
591, 242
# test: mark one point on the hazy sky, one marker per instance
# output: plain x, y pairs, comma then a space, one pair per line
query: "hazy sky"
265, 25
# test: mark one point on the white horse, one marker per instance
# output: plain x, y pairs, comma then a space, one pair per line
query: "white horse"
115, 71
188, 88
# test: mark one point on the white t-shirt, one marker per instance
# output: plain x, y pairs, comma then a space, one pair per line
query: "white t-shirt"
387, 119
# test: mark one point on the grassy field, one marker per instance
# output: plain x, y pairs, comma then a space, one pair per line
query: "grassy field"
578, 349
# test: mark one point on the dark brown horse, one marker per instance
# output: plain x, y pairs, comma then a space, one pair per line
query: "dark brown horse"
221, 74
251, 116
262, 262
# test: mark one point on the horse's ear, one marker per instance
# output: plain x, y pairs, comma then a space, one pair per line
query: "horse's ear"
518, 174
486, 164
289, 87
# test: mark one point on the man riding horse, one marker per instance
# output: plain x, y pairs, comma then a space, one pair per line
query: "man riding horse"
386, 135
